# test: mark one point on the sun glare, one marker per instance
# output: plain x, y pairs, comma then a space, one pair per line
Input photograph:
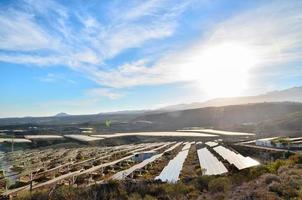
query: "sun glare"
221, 70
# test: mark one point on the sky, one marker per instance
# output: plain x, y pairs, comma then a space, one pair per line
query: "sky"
93, 56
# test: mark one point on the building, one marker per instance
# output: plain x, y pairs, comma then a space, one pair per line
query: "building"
140, 156
296, 142
280, 142
265, 141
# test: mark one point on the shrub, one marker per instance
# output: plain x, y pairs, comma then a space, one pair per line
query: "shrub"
79, 156
179, 191
255, 172
282, 169
300, 193
269, 178
274, 166
275, 187
202, 182
293, 182
298, 166
148, 197
260, 193
65, 192
296, 159
37, 195
135, 196
220, 184
289, 192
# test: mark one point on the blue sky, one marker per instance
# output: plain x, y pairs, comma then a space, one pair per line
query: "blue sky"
94, 56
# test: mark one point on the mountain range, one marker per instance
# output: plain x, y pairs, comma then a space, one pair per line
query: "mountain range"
273, 112
292, 95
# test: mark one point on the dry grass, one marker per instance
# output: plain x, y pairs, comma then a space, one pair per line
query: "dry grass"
191, 167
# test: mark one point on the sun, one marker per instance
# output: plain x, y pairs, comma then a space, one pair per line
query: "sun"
221, 70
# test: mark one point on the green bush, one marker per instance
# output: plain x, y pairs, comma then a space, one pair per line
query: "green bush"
255, 172
274, 166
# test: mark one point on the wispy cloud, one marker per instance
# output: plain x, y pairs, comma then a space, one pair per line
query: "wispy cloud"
104, 92
19, 33
48, 27
32, 59
52, 78
48, 78
273, 31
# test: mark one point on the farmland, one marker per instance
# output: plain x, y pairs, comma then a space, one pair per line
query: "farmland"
89, 165
152, 159
94, 168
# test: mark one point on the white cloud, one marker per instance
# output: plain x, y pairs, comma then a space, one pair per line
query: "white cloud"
51, 77
136, 10
48, 78
32, 59
127, 36
273, 33
104, 92
19, 33
87, 56
36, 26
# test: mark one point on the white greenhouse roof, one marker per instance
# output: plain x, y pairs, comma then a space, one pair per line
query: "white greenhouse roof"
41, 137
237, 159
83, 138
211, 144
15, 140
210, 163
171, 172
156, 134
122, 174
218, 132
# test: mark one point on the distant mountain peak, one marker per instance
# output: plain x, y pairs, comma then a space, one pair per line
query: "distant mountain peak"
61, 114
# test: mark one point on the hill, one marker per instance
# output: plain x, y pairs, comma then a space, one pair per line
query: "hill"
292, 94
67, 119
270, 118
290, 123
227, 117
61, 114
